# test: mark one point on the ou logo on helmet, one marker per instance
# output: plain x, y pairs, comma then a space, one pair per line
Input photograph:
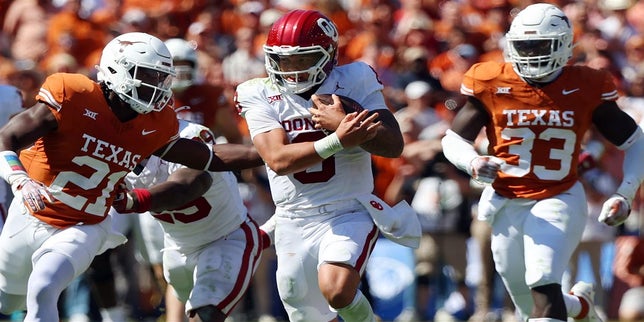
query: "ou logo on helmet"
328, 28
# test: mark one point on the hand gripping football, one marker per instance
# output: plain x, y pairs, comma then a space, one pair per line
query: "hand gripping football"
348, 104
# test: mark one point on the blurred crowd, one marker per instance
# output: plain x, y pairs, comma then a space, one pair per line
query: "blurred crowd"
420, 50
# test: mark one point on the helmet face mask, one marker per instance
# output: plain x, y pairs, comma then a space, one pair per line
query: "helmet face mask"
184, 57
299, 72
138, 68
301, 50
150, 82
185, 76
539, 42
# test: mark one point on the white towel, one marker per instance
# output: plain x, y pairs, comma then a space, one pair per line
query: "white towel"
399, 223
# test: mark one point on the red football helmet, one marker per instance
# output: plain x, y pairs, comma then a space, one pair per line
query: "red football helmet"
301, 50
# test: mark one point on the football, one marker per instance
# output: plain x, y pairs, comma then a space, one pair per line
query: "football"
348, 103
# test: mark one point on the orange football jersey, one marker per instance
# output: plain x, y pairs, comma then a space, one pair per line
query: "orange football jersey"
204, 100
537, 131
91, 151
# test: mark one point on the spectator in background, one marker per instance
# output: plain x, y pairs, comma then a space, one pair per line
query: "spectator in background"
25, 26
198, 101
413, 26
70, 32
12, 103
373, 29
108, 14
449, 66
614, 26
266, 20
244, 63
631, 268
28, 81
415, 67
599, 186
418, 116
134, 20
440, 197
633, 62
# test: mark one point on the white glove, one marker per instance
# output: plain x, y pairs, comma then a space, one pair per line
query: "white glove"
485, 168
615, 211
267, 232
33, 193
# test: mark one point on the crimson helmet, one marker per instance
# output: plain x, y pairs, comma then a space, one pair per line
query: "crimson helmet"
301, 50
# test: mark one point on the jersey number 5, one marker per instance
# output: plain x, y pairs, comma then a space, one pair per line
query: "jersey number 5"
328, 165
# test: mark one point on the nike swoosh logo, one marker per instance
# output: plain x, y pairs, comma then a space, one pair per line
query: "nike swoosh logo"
144, 132
565, 92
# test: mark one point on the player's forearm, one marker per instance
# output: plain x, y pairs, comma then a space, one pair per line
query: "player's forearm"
172, 196
228, 157
294, 157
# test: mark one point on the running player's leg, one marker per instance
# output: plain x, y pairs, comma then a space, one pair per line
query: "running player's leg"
222, 276
52, 273
64, 255
344, 251
552, 233
15, 258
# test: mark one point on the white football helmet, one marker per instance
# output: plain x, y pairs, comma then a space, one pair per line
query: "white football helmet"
138, 68
183, 51
301, 50
539, 42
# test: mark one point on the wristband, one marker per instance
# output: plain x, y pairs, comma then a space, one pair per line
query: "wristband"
328, 146
11, 168
143, 200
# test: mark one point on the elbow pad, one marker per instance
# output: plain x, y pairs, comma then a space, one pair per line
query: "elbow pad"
459, 151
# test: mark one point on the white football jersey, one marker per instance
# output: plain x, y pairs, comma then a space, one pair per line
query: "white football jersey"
342, 176
215, 214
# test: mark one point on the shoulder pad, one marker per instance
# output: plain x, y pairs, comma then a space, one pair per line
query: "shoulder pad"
486, 70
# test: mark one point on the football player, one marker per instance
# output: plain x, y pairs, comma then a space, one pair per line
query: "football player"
323, 235
198, 101
211, 246
76, 144
536, 109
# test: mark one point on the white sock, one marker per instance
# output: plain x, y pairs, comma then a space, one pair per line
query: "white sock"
358, 311
573, 304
